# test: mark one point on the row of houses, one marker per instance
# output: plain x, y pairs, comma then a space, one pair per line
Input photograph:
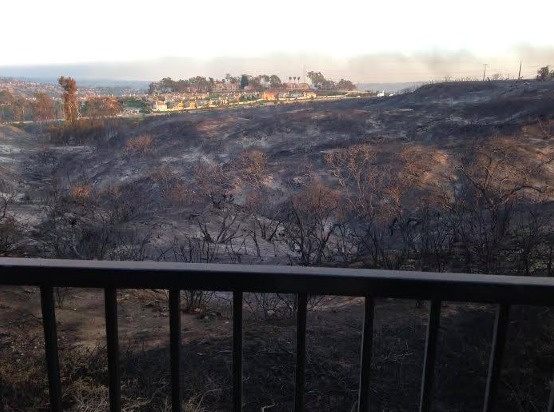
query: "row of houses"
190, 101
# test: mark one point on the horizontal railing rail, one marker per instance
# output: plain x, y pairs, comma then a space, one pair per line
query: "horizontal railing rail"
460, 287
302, 281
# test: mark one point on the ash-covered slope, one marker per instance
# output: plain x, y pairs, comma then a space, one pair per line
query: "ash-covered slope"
15, 147
294, 137
167, 165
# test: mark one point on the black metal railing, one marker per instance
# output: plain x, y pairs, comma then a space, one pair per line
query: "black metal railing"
302, 281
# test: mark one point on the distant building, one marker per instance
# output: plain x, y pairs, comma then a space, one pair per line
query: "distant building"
178, 105
225, 87
159, 106
270, 95
298, 86
297, 95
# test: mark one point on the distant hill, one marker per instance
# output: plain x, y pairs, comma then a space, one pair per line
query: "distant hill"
27, 86
89, 83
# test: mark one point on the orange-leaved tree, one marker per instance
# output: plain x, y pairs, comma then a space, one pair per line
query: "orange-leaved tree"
69, 96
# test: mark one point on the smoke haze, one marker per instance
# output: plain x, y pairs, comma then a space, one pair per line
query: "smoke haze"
373, 68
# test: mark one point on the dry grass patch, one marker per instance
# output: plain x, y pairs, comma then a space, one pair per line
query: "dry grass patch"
172, 186
141, 144
81, 192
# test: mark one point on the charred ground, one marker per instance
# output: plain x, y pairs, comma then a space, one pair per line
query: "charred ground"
218, 186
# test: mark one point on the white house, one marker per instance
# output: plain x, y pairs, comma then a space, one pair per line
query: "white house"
159, 106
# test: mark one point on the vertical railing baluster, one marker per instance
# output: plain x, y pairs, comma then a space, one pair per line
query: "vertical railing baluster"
51, 347
497, 351
175, 347
300, 352
237, 351
110, 301
430, 355
550, 407
367, 348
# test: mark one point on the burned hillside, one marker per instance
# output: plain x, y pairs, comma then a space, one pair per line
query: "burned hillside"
451, 177
369, 182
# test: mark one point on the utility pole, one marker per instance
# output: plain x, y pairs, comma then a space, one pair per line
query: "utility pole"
519, 75
484, 70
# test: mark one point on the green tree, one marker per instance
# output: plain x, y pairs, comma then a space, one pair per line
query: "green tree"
201, 83
243, 81
152, 88
345, 85
255, 82
274, 81
167, 85
69, 96
318, 80
544, 73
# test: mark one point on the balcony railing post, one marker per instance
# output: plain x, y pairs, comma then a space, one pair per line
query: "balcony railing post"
51, 347
237, 351
430, 355
300, 352
497, 352
175, 347
110, 301
367, 348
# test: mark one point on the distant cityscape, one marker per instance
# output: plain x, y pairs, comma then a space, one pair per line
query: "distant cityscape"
27, 88
24, 99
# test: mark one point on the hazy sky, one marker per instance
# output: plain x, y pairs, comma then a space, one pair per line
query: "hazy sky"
341, 33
